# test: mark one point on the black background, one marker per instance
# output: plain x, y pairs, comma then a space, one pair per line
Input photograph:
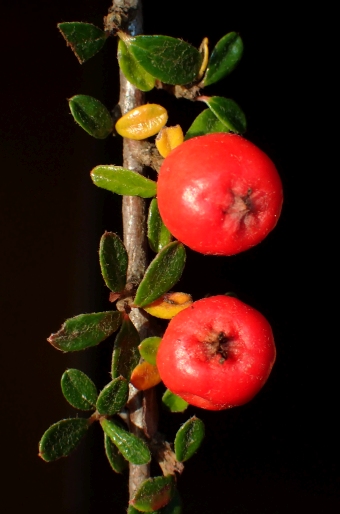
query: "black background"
276, 455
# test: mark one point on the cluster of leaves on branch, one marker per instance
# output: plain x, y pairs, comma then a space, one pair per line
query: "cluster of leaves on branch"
147, 62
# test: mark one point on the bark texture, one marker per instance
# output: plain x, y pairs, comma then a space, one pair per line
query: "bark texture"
127, 14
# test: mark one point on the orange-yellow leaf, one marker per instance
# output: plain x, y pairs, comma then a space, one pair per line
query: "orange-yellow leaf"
205, 50
168, 138
144, 376
168, 305
142, 122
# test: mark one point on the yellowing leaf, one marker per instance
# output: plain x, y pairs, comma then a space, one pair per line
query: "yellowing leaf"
144, 376
142, 122
204, 49
168, 305
168, 138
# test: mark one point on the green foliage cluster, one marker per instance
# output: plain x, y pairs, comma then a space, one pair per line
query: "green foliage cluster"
145, 61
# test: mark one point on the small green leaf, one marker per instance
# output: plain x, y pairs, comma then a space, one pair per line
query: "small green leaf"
84, 39
154, 493
125, 356
170, 60
132, 70
228, 112
131, 447
79, 390
123, 181
113, 260
189, 438
158, 235
91, 115
173, 507
85, 330
148, 349
173, 402
132, 510
61, 438
113, 397
224, 58
115, 458
162, 274
205, 123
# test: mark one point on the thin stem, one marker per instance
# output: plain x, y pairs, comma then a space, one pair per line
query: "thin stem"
142, 407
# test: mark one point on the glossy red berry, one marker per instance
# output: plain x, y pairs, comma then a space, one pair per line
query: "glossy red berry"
217, 353
219, 194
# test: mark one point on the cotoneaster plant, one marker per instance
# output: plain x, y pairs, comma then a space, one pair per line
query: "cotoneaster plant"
218, 194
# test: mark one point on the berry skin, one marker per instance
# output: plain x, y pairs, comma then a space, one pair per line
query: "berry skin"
217, 353
219, 194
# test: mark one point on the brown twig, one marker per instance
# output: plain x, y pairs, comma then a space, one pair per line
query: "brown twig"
142, 407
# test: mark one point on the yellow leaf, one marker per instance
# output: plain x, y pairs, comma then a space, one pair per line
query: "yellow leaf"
168, 305
205, 50
168, 138
142, 122
145, 376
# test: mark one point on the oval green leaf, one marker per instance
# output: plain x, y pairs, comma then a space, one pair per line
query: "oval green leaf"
113, 397
131, 447
224, 58
84, 39
158, 235
205, 123
132, 70
91, 115
189, 438
228, 112
62, 438
154, 493
79, 390
85, 330
115, 458
170, 60
125, 355
113, 260
162, 274
173, 507
148, 349
173, 402
123, 181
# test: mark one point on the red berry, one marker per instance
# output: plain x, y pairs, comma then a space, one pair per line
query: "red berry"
216, 354
219, 194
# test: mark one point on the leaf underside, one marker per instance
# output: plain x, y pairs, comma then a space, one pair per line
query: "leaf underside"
123, 181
